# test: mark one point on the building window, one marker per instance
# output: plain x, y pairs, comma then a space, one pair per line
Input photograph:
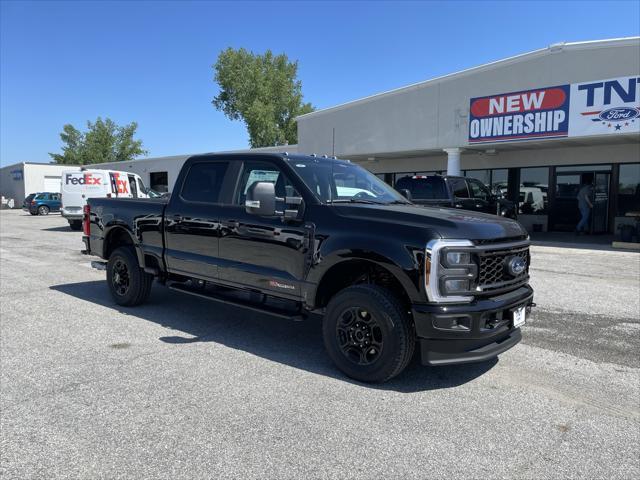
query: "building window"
629, 188
159, 181
534, 185
499, 181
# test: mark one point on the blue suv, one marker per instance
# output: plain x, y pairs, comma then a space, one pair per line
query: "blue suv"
42, 203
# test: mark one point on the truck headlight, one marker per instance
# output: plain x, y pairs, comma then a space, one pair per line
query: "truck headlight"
458, 258
450, 271
456, 286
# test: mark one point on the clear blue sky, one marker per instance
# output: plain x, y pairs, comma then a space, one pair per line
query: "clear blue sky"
68, 62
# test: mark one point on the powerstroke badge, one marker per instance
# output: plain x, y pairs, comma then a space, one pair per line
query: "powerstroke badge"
285, 286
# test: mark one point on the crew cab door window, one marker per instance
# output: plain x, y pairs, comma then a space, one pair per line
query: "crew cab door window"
479, 190
203, 182
459, 187
263, 172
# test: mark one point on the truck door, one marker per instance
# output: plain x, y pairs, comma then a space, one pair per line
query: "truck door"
460, 193
267, 253
481, 197
133, 186
192, 220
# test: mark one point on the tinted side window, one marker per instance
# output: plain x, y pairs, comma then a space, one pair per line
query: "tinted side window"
478, 190
253, 172
204, 182
459, 187
132, 184
428, 188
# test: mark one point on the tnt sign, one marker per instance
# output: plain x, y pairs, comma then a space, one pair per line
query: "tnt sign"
605, 107
540, 113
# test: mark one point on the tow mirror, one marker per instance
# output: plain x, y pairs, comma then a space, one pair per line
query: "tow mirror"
405, 193
261, 199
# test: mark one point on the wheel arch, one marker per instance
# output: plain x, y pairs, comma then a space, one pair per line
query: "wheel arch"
119, 236
354, 271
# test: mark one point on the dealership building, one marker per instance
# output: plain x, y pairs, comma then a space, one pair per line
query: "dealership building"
533, 127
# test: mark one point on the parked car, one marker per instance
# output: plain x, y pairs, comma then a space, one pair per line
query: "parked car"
274, 233
42, 203
27, 201
454, 192
78, 186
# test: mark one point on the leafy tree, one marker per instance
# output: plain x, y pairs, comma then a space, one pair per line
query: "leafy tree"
264, 92
104, 141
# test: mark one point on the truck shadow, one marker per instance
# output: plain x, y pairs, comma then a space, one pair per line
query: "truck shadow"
65, 229
297, 344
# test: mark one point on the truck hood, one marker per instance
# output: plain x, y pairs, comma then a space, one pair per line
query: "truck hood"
448, 222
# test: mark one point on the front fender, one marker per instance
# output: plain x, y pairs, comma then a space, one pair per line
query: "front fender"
404, 262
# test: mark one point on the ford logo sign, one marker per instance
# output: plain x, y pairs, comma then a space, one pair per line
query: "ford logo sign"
619, 114
516, 266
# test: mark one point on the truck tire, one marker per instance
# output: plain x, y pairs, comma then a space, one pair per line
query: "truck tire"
368, 334
43, 210
75, 225
129, 284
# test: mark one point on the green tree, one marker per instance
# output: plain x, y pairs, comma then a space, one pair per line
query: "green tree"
264, 92
104, 141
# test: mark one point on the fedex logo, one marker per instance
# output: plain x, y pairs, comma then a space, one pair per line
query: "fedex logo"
122, 186
82, 179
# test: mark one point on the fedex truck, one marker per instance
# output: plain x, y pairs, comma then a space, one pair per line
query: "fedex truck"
78, 186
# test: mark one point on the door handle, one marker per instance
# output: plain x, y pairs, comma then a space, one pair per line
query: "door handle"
231, 224
177, 218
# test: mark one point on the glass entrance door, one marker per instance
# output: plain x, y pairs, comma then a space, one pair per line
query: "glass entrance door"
600, 211
565, 213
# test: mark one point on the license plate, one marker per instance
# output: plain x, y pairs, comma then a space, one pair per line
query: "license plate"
519, 317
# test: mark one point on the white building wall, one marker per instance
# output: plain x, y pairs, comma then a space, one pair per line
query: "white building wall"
534, 157
20, 179
433, 115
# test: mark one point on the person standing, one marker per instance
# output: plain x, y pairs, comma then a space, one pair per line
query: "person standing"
585, 206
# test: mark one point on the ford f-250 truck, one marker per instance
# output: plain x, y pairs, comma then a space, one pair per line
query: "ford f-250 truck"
299, 236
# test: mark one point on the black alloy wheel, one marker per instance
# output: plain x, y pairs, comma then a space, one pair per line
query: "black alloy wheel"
359, 336
120, 277
129, 284
368, 333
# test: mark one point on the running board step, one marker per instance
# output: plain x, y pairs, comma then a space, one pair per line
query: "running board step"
276, 312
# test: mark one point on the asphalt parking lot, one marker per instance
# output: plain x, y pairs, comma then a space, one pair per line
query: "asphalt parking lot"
184, 388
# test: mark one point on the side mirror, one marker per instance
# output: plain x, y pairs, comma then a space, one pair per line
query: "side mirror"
261, 199
405, 193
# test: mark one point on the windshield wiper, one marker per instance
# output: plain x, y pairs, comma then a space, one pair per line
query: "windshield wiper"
355, 200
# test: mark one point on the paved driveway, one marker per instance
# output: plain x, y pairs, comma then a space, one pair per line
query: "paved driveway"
184, 388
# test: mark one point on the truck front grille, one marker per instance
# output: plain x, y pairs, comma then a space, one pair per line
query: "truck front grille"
493, 272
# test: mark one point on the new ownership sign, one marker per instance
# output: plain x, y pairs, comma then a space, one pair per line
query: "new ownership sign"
589, 108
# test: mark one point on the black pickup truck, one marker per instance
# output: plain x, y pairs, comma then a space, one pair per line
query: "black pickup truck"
454, 192
299, 236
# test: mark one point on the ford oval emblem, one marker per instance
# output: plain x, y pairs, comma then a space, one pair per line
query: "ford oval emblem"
516, 266
619, 114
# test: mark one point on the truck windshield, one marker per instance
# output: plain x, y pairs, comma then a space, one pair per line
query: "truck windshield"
337, 181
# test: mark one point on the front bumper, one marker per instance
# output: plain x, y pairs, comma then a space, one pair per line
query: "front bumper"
487, 328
